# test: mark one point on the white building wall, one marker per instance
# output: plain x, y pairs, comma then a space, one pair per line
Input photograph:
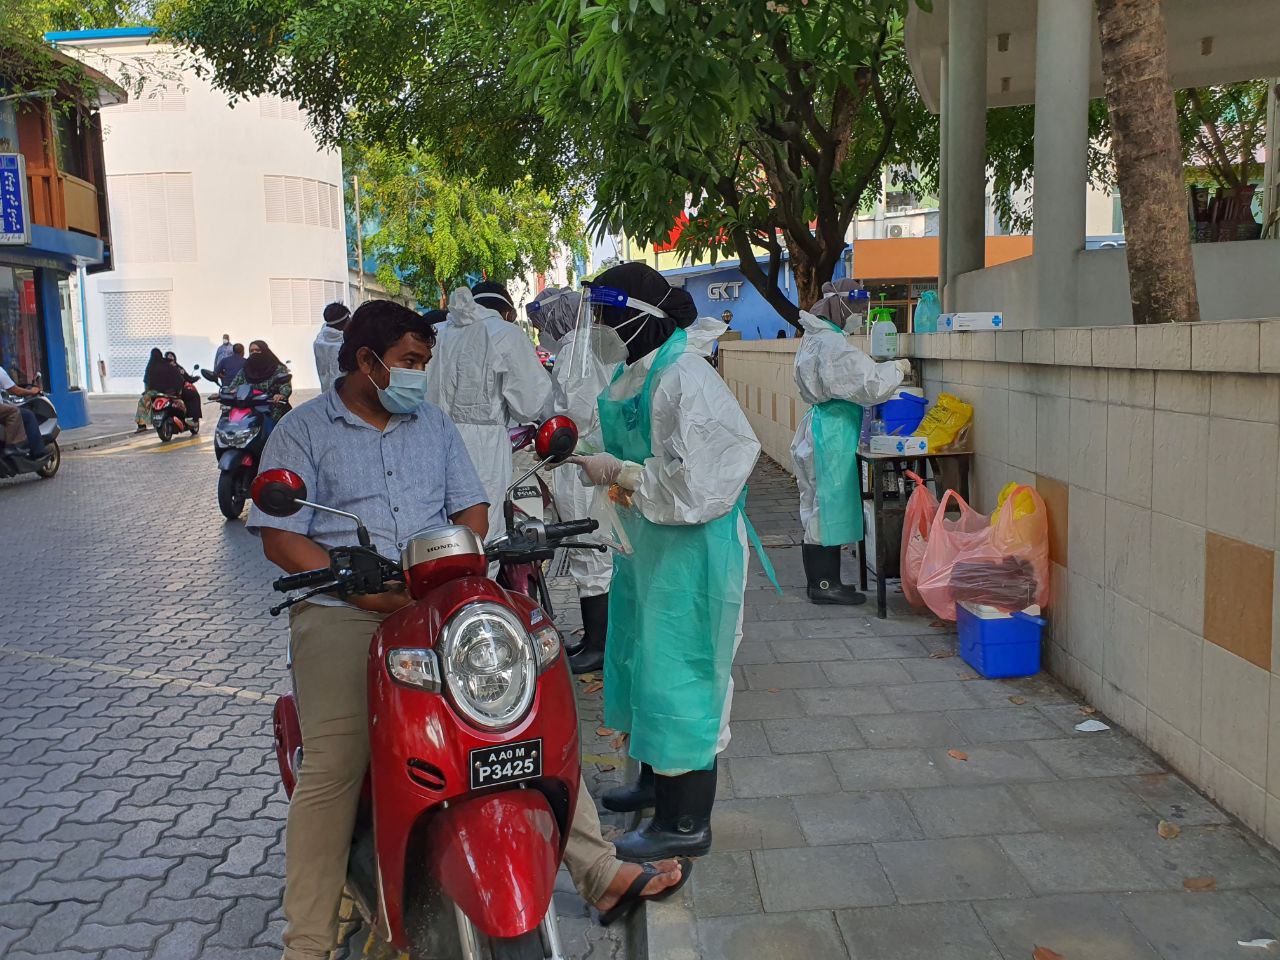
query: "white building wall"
195, 252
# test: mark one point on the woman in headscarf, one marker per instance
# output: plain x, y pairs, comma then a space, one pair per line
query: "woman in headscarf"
186, 387
678, 454
156, 376
264, 371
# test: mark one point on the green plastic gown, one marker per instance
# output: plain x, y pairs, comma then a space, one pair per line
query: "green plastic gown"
836, 425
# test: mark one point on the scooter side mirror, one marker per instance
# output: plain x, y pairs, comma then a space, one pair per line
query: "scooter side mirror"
278, 493
556, 439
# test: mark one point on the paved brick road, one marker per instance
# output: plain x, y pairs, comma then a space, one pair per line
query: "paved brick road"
140, 815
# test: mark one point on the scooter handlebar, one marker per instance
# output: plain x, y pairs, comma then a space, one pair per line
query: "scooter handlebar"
301, 581
571, 528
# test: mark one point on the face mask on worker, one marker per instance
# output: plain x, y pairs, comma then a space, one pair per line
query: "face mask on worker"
405, 391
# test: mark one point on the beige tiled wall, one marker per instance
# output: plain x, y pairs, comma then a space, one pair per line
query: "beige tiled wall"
1161, 445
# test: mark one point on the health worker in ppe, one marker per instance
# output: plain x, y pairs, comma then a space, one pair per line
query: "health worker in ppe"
677, 454
837, 380
485, 374
329, 341
554, 314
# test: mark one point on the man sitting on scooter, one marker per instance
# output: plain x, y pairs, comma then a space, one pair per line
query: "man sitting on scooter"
19, 422
371, 445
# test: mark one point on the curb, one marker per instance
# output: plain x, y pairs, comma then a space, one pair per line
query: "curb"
87, 443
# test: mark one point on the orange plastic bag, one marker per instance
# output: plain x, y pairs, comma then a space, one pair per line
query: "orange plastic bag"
921, 507
1004, 563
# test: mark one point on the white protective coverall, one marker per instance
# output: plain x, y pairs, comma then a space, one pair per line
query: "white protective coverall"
485, 374
327, 344
829, 367
703, 452
576, 397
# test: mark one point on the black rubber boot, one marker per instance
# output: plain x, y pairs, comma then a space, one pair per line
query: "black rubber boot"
595, 626
822, 571
681, 824
632, 797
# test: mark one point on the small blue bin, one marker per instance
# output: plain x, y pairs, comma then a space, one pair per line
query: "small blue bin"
902, 414
1002, 646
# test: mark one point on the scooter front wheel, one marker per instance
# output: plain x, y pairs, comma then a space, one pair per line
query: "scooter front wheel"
50, 466
164, 430
526, 947
231, 494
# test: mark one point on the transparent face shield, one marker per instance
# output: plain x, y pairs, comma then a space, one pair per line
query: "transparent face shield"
593, 341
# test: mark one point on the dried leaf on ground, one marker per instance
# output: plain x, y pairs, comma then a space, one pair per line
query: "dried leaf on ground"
604, 732
619, 741
940, 655
773, 689
967, 676
1044, 953
939, 623
1017, 701
1200, 884
957, 755
594, 687
1087, 710
606, 767
1168, 830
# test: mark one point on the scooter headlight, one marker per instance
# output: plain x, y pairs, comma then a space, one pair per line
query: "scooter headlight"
489, 664
235, 435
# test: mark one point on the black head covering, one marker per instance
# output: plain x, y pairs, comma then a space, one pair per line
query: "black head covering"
641, 282
261, 367
154, 364
492, 295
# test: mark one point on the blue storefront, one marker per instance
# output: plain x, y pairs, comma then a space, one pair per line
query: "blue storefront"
718, 287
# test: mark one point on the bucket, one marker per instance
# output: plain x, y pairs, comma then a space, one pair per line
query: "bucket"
902, 414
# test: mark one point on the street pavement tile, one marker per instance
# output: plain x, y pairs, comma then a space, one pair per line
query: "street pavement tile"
753, 651
724, 884
843, 701
785, 676
1200, 926
885, 769
931, 670
909, 730
927, 931
820, 878
758, 824
949, 695
746, 739
968, 811
1224, 852
809, 650
966, 868
859, 673
757, 632
782, 776
833, 818
764, 705
1086, 804
1075, 927
1097, 755
812, 734
1082, 862
885, 648
1004, 723
1172, 798
991, 763
772, 936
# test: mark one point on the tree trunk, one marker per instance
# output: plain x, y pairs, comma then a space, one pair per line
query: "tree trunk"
1148, 157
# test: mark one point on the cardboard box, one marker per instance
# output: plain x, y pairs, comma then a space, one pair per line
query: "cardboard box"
903, 446
970, 321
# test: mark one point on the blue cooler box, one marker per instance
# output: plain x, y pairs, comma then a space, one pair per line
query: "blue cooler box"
1003, 646
902, 414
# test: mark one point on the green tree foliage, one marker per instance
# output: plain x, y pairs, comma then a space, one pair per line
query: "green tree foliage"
1221, 130
431, 231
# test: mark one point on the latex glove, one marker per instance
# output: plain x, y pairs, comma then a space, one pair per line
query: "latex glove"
601, 469
629, 478
904, 365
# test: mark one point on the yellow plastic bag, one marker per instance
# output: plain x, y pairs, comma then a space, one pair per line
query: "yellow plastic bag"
1024, 504
943, 423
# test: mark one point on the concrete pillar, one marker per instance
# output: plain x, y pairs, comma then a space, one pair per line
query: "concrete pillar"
1064, 35
943, 113
966, 138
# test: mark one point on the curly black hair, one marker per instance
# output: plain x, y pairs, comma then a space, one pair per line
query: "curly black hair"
379, 325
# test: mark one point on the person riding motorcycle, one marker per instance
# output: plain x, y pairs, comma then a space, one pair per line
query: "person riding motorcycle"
554, 313
837, 380
188, 393
486, 376
19, 423
264, 371
679, 450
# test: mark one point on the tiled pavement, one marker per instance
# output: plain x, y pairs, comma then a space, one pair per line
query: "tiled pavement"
881, 802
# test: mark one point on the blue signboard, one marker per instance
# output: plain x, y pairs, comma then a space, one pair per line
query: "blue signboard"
15, 222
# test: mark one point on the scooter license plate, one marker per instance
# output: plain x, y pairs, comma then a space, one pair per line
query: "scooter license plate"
507, 763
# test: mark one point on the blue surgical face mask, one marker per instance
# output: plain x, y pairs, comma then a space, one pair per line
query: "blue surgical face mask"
406, 390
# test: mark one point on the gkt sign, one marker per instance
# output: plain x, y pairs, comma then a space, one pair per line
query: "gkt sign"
726, 290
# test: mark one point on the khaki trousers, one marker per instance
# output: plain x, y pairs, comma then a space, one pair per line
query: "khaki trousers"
15, 432
330, 648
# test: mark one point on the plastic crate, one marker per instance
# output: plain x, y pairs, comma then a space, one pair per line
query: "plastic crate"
1007, 645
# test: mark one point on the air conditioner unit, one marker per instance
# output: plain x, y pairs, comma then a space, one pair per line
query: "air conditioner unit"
896, 230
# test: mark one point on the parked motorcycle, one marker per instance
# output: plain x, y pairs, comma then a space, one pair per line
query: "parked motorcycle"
238, 441
15, 461
474, 766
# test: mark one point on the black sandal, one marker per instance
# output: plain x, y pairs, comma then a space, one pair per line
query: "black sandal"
631, 897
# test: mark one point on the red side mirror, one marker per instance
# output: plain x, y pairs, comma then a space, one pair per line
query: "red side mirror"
556, 439
278, 493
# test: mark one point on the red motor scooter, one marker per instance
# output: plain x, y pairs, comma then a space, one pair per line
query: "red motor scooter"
474, 765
